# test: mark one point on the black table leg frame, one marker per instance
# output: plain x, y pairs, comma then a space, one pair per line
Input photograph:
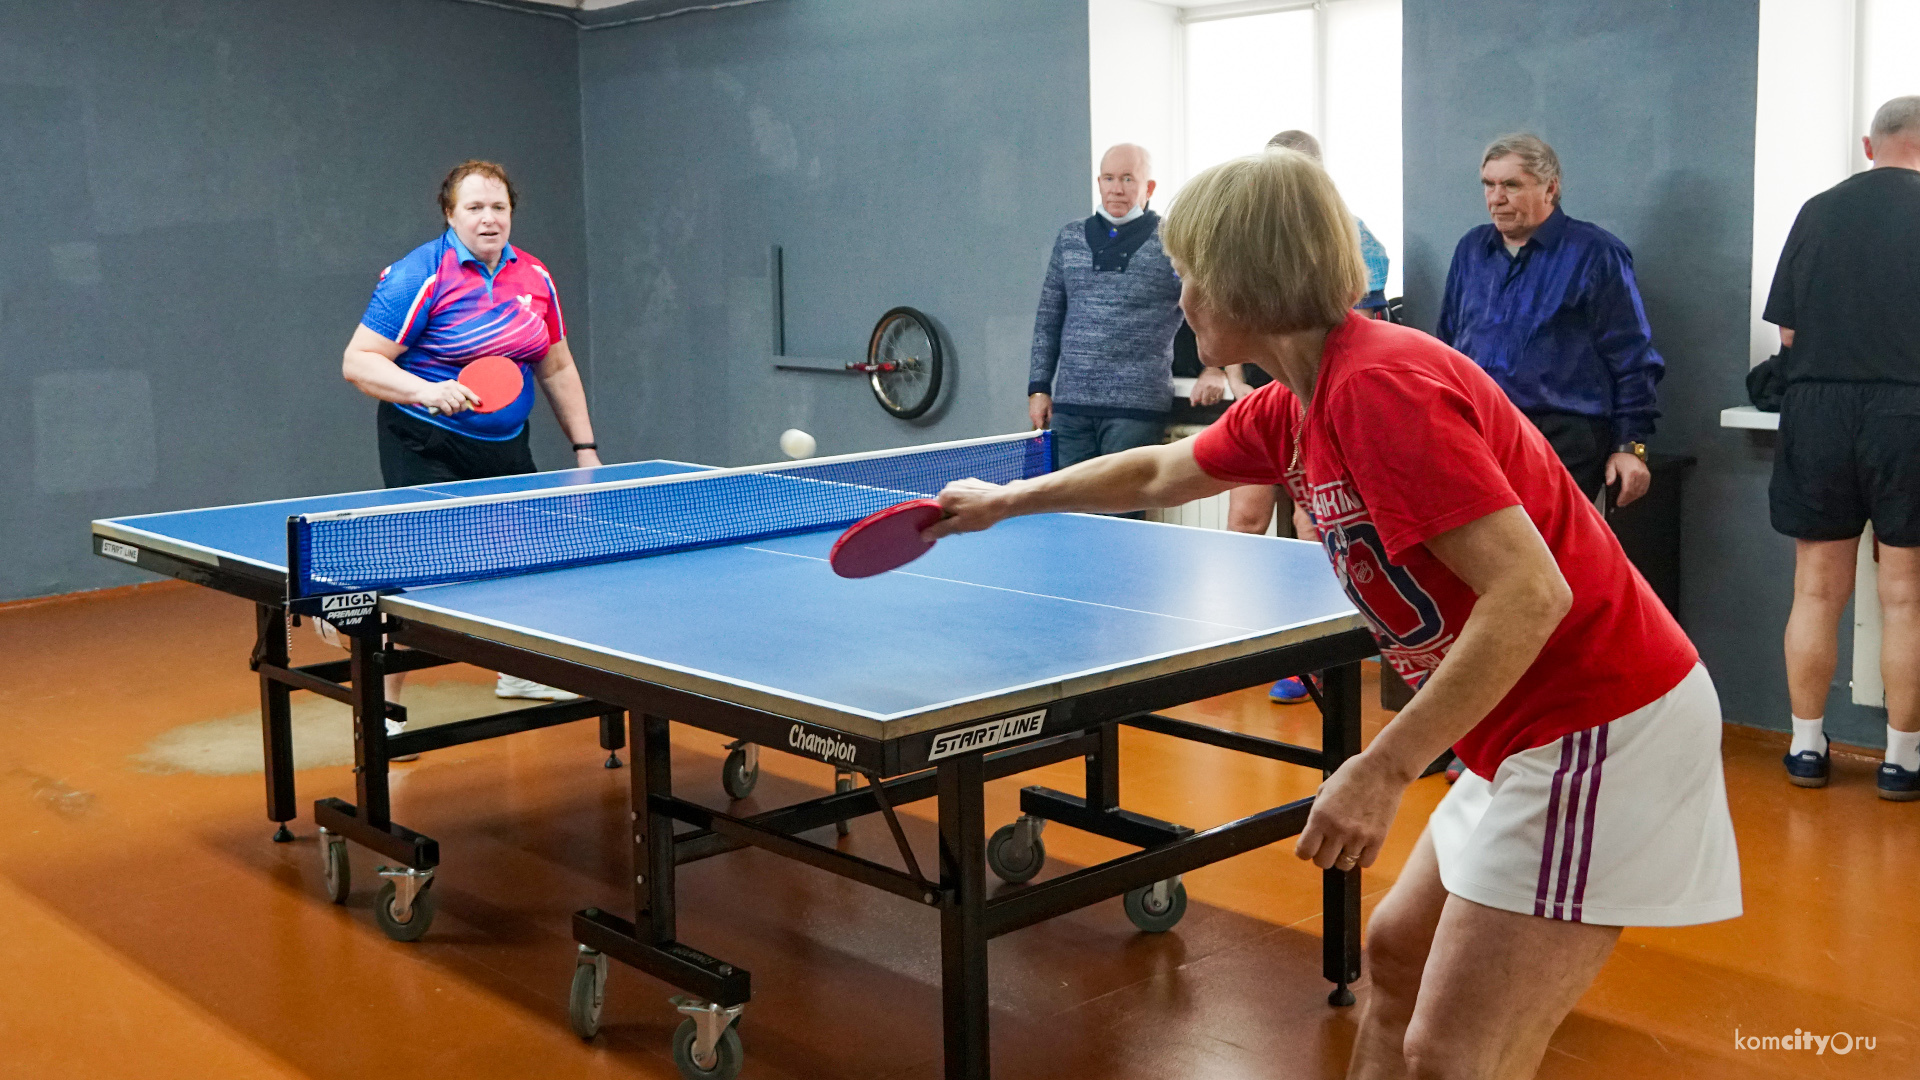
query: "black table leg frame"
1177, 848
276, 716
649, 941
1340, 890
969, 918
963, 918
368, 820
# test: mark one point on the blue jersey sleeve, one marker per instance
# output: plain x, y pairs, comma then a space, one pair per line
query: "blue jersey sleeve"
1375, 255
404, 297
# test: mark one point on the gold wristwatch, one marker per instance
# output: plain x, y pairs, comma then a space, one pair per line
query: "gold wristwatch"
1637, 449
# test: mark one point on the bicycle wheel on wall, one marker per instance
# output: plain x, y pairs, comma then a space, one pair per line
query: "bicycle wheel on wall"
904, 362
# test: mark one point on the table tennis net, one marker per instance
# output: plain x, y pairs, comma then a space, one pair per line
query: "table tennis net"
494, 536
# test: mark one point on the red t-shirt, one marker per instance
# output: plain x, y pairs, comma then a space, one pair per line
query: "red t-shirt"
1406, 439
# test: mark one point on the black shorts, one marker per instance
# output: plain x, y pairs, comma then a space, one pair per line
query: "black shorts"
1849, 453
414, 452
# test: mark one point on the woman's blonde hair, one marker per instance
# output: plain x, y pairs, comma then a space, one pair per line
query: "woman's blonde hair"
1267, 242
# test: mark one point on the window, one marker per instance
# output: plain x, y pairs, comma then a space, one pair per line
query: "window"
1825, 66
1200, 83
1248, 77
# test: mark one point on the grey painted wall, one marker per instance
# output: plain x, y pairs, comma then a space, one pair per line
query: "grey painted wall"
201, 192
199, 196
919, 152
1650, 105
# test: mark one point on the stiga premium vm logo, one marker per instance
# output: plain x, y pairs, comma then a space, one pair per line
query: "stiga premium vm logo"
991, 733
347, 609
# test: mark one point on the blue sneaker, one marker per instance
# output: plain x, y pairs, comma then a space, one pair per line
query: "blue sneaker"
1289, 692
1898, 784
1808, 768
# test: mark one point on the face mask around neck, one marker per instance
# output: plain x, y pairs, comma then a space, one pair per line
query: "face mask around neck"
1139, 208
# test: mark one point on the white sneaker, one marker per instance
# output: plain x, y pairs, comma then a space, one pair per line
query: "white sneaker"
508, 686
395, 727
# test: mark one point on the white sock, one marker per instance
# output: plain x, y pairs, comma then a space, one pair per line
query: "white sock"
1903, 748
1807, 735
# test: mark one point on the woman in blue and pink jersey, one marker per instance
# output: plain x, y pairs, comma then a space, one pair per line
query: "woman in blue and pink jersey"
466, 294
1595, 798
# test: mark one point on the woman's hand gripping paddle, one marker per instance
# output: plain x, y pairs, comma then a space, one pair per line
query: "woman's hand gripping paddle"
496, 380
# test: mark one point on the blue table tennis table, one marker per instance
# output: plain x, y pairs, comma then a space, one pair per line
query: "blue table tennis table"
994, 654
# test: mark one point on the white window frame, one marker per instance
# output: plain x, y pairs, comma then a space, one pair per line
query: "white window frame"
1154, 25
1813, 103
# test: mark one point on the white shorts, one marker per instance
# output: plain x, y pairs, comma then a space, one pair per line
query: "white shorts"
1624, 824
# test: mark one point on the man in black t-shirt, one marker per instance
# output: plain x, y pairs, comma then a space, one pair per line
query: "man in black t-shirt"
1846, 298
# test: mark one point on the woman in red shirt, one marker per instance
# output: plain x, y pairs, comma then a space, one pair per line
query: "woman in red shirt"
1594, 798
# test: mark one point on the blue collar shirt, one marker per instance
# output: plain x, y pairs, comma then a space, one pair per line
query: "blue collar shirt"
1559, 325
468, 258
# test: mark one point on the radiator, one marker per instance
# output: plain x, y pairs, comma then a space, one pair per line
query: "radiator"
1210, 513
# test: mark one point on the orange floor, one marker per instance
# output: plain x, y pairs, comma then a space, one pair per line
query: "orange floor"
148, 928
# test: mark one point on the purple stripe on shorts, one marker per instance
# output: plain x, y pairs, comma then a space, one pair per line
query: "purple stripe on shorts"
1553, 811
1573, 816
1586, 829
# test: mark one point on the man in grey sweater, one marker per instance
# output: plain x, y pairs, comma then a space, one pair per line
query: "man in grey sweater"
1102, 369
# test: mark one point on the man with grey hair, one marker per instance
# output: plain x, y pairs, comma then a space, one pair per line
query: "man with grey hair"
1846, 297
1371, 249
1548, 305
1250, 509
1101, 372
1249, 514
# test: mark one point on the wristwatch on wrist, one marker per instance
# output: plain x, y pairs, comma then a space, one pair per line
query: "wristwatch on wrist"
1637, 449
585, 446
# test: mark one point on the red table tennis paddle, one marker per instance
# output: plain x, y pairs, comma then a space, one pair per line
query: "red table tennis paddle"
885, 541
496, 379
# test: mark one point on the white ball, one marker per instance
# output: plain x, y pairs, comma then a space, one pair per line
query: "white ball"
796, 443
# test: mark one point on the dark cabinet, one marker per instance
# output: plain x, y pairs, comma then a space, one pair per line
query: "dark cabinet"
1649, 528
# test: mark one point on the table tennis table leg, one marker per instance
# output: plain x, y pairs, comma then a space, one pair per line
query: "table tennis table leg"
276, 717
1103, 769
963, 928
1340, 891
368, 674
613, 736
653, 837
706, 1043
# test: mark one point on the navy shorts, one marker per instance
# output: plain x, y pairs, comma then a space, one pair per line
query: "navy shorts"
1849, 453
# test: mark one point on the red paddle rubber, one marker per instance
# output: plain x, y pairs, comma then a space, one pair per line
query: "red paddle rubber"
496, 379
885, 541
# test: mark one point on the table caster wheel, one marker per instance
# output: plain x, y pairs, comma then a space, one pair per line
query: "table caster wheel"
741, 772
418, 919
589, 993
338, 871
1341, 997
1157, 908
842, 783
1014, 858
728, 1055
